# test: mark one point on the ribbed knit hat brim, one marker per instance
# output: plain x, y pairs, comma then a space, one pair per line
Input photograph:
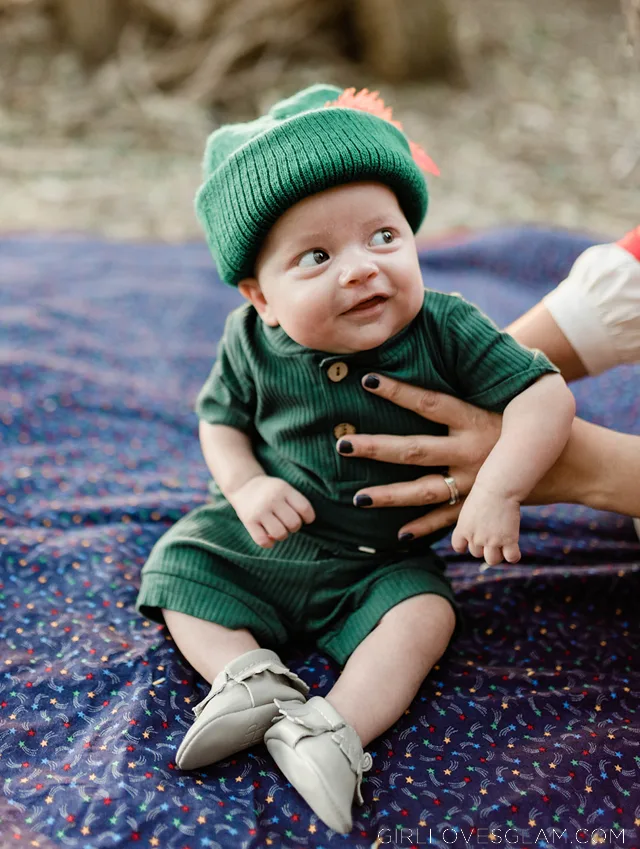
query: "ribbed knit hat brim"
258, 181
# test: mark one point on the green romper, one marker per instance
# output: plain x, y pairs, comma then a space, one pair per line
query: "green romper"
334, 579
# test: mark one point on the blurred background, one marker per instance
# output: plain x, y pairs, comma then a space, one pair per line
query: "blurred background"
531, 108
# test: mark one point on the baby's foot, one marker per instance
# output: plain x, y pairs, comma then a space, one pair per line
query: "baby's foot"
321, 756
239, 708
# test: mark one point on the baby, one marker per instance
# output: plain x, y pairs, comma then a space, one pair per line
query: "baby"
311, 212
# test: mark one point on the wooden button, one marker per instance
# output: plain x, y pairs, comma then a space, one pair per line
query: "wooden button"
337, 372
343, 429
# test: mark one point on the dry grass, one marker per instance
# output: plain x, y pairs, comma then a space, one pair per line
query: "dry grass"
547, 129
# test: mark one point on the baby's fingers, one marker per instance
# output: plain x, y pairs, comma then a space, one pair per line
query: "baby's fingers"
459, 542
476, 550
259, 535
274, 527
511, 552
301, 505
289, 517
492, 555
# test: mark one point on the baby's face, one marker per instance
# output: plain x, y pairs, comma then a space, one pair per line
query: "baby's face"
339, 271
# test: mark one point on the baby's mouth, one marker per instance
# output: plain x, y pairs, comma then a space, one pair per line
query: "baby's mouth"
369, 303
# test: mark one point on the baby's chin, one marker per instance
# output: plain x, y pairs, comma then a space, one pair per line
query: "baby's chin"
348, 338
353, 341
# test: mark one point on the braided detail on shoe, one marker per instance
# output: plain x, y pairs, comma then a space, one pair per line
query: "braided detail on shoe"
300, 713
230, 674
349, 741
343, 734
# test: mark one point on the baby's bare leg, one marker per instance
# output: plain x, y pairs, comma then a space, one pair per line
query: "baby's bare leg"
241, 704
384, 673
207, 646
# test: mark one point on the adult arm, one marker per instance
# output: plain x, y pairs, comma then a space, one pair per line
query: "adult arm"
591, 321
537, 328
599, 468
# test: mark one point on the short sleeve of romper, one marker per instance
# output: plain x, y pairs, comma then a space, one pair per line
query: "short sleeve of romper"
228, 395
488, 366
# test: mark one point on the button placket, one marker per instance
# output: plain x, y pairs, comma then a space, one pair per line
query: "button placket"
338, 394
343, 429
337, 371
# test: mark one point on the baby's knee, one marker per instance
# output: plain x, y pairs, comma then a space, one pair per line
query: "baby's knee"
423, 614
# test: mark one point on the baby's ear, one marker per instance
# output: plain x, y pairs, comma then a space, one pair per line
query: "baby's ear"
250, 289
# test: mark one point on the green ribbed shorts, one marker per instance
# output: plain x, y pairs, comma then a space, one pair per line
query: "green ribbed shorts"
208, 566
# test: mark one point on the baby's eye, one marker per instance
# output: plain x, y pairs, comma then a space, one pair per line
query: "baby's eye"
314, 257
382, 237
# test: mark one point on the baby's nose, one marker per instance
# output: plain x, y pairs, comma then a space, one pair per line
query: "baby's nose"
357, 271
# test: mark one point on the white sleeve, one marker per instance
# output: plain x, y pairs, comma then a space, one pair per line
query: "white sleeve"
597, 307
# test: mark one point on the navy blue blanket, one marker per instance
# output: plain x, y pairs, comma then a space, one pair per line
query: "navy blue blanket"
527, 730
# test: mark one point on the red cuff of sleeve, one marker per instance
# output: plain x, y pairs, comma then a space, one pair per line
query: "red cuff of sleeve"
631, 243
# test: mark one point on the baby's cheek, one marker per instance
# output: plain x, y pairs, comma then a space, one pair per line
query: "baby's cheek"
307, 327
310, 322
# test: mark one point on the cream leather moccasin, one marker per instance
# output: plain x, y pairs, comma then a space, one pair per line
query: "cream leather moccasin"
322, 758
239, 708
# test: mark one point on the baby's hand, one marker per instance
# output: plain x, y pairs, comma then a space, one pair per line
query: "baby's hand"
489, 524
270, 509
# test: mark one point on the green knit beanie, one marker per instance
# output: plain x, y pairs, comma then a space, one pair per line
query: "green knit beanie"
254, 172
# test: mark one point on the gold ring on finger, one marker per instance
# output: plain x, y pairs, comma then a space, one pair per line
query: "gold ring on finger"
453, 490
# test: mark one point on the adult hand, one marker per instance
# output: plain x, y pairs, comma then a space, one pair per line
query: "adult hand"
472, 434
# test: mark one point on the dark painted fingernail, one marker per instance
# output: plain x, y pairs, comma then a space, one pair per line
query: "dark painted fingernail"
405, 537
345, 447
363, 501
371, 381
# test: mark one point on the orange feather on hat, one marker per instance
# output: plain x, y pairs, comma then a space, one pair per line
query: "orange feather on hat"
370, 101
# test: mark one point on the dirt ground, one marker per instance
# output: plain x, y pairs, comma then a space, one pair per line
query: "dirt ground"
546, 130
